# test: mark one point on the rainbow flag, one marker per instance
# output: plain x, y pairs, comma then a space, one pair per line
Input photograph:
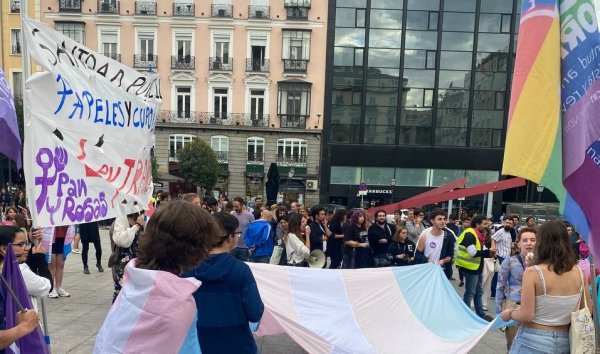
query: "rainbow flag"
155, 312
364, 311
554, 118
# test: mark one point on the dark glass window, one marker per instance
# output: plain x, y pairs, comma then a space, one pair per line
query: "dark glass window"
350, 37
493, 42
496, 6
421, 40
345, 133
380, 134
386, 4
453, 98
352, 3
490, 23
423, 4
457, 21
490, 81
457, 41
460, 5
491, 62
383, 77
422, 20
415, 126
451, 127
389, 58
385, 38
419, 78
454, 79
386, 19
418, 98
345, 114
345, 18
456, 60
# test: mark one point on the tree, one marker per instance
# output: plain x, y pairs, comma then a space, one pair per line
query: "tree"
155, 167
198, 163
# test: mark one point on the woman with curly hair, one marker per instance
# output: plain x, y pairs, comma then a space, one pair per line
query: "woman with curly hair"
357, 251
155, 311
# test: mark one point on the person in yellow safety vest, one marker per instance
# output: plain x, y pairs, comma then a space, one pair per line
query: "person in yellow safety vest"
470, 259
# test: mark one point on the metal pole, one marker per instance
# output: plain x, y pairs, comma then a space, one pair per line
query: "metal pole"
594, 303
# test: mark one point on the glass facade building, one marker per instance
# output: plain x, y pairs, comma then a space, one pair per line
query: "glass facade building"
417, 94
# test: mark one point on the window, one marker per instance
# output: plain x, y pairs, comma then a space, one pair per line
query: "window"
291, 151
294, 104
184, 47
146, 49
220, 144
440, 177
220, 102
296, 45
256, 149
221, 48
15, 41
345, 175
184, 98
73, 30
258, 54
414, 177
377, 176
109, 44
15, 6
257, 103
176, 143
17, 81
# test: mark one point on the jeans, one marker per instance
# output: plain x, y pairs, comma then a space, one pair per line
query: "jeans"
240, 253
495, 280
474, 292
260, 259
538, 341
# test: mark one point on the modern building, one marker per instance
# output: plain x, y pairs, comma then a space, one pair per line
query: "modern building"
417, 96
247, 76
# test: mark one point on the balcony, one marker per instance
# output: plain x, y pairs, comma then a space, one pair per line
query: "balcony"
214, 118
255, 158
221, 10
15, 6
259, 12
113, 56
145, 8
184, 10
291, 160
222, 156
295, 65
141, 61
183, 62
108, 7
257, 65
293, 121
220, 64
73, 6
297, 13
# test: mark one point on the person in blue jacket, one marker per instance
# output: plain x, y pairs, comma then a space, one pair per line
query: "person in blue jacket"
259, 238
228, 299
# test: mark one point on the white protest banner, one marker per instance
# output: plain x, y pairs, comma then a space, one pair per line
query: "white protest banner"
89, 130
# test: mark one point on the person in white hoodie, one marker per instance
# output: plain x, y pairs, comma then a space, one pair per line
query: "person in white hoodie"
39, 280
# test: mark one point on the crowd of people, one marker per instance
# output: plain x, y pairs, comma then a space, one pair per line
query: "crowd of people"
529, 271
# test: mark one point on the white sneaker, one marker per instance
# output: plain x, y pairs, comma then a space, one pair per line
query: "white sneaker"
62, 293
76, 250
485, 308
53, 294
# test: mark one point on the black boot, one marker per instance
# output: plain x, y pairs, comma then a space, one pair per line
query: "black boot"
86, 270
99, 266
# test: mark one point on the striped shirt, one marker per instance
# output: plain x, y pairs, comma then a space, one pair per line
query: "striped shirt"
510, 281
503, 242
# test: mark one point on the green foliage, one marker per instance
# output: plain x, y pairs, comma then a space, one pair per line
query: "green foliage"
155, 167
198, 163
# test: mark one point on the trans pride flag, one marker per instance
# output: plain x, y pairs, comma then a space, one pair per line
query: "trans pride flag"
554, 118
366, 311
155, 312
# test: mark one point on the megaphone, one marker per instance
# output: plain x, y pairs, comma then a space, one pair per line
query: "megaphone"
316, 259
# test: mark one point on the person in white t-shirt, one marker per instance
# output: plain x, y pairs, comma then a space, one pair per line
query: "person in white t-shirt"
436, 244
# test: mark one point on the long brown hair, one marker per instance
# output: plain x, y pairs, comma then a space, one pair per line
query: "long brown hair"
554, 247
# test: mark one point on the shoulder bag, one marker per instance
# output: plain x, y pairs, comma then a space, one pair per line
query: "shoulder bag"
581, 334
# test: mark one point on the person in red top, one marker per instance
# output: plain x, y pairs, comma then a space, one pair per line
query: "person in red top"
57, 262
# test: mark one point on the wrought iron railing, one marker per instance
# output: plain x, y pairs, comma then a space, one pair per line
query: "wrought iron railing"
113, 56
291, 160
297, 3
183, 62
295, 65
297, 13
145, 8
255, 158
108, 7
220, 63
184, 9
69, 5
221, 10
257, 65
145, 61
214, 118
259, 12
292, 121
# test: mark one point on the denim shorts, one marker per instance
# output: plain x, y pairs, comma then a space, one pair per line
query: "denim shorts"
539, 341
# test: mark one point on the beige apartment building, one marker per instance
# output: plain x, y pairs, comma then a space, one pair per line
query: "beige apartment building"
246, 76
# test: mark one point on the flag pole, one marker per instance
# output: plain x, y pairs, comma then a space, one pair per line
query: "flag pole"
26, 75
595, 302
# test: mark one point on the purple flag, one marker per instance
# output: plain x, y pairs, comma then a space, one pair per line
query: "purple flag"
10, 144
33, 342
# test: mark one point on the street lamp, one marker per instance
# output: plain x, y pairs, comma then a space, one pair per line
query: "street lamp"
393, 184
540, 190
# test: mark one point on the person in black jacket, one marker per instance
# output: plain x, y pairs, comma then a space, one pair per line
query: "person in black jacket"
380, 236
357, 252
401, 251
336, 239
319, 230
436, 243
